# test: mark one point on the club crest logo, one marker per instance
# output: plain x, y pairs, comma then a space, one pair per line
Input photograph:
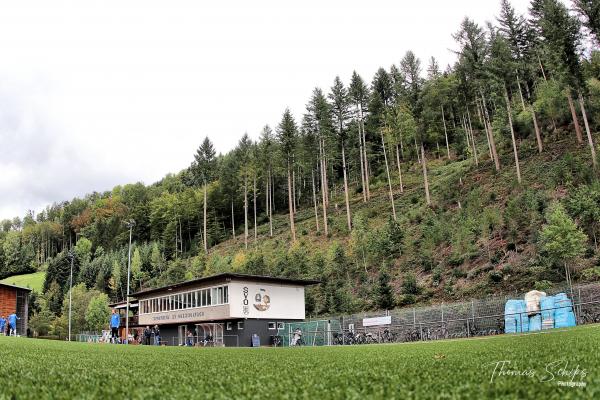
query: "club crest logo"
262, 301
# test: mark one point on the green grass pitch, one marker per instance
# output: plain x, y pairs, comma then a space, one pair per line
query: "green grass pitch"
35, 369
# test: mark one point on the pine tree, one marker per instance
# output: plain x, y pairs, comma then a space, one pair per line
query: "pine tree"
340, 107
318, 120
385, 293
203, 169
267, 147
245, 162
287, 133
359, 94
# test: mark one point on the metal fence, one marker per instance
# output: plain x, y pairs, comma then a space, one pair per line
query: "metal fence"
481, 317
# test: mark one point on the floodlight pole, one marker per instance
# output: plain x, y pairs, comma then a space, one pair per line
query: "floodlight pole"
72, 257
130, 224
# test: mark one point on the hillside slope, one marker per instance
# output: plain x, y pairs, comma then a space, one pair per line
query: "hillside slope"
480, 235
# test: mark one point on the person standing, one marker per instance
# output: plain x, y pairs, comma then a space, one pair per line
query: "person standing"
2, 325
156, 335
12, 324
115, 322
147, 335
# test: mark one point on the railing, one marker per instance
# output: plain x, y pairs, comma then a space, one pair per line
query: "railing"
473, 326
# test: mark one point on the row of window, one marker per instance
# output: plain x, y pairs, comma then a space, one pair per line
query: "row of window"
240, 326
182, 301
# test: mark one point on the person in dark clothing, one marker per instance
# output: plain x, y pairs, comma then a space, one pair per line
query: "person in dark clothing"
147, 335
156, 335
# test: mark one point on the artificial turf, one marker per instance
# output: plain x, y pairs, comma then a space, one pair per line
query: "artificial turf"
38, 369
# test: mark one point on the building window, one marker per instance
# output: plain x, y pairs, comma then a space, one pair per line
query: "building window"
240, 325
228, 326
280, 326
272, 326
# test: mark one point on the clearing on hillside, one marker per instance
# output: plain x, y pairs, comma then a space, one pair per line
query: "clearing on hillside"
34, 281
557, 364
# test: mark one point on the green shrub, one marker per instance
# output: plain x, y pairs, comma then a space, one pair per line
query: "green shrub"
542, 285
495, 277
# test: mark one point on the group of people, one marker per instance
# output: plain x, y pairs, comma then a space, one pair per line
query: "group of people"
148, 333
115, 324
8, 326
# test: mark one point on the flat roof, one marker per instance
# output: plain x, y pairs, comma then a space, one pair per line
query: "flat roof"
15, 286
227, 276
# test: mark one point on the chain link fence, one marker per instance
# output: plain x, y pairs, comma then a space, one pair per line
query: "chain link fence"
482, 317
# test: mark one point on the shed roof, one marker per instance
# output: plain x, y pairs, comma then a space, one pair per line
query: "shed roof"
15, 286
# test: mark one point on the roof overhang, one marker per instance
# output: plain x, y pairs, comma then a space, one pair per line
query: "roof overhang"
227, 277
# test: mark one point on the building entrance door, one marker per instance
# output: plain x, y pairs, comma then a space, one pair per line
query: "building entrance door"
210, 334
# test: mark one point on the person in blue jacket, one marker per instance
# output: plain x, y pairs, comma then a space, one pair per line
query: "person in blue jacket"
115, 321
2, 325
12, 324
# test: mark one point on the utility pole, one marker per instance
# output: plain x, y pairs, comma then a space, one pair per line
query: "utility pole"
130, 224
72, 258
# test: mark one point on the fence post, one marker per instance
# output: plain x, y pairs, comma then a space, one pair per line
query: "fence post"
468, 328
414, 318
578, 307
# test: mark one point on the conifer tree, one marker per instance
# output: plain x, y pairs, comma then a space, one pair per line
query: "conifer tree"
340, 107
359, 94
287, 134
204, 169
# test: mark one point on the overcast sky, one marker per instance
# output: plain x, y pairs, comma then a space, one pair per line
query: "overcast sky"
95, 94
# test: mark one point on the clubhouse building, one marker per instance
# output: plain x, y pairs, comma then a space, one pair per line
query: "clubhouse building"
232, 309
15, 299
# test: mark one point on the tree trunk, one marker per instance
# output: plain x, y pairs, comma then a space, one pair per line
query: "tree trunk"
362, 163
425, 180
290, 202
472, 138
512, 135
205, 232
520, 91
417, 150
348, 215
294, 189
312, 173
399, 169
587, 130
232, 221
364, 137
542, 68
387, 170
491, 134
575, 119
485, 128
246, 213
536, 127
446, 133
254, 193
323, 190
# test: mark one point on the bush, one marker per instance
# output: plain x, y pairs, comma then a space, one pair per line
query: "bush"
437, 276
542, 285
495, 277
407, 299
591, 274
409, 285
